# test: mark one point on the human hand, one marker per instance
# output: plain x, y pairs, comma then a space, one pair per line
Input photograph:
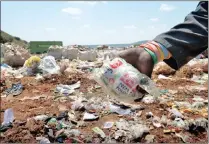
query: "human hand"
140, 59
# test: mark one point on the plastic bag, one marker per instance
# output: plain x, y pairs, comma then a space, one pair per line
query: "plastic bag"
48, 65
121, 79
8, 116
33, 61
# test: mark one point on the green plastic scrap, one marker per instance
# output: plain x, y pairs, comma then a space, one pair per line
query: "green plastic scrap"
99, 131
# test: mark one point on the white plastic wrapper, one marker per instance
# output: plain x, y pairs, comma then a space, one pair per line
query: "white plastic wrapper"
49, 66
121, 79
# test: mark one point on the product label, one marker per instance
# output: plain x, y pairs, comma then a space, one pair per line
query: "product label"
116, 64
129, 81
122, 88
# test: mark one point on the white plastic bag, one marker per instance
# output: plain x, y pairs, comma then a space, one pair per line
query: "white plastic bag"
121, 79
48, 65
8, 116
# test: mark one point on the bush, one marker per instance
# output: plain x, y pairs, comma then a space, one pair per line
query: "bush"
2, 40
17, 38
25, 42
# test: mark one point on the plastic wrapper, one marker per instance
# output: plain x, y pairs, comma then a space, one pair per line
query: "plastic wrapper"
121, 79
49, 66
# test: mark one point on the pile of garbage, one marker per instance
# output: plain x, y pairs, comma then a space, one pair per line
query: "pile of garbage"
59, 52
14, 55
71, 101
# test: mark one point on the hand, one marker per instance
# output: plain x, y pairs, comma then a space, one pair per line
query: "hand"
140, 59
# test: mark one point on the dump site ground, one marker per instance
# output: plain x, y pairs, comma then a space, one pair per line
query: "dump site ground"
39, 98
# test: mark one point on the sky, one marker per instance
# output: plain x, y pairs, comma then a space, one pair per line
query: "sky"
92, 22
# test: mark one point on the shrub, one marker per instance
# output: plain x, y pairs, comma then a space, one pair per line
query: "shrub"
17, 38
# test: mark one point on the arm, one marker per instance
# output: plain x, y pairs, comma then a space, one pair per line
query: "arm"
188, 39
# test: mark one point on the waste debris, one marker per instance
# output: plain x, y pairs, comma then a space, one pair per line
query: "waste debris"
14, 55
108, 125
8, 116
62, 103
89, 116
99, 131
15, 90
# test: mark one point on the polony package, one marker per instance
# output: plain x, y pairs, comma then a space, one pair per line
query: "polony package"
120, 79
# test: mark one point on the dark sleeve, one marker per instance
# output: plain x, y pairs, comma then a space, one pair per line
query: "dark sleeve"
188, 39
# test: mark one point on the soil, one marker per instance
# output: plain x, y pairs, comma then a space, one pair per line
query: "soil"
37, 99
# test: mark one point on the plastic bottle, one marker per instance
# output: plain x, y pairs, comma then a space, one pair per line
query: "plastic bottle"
120, 79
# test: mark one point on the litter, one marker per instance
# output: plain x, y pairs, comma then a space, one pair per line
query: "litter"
149, 115
70, 53
175, 113
156, 122
164, 121
5, 127
66, 120
117, 109
169, 131
87, 55
55, 51
185, 138
182, 104
39, 77
77, 106
178, 122
163, 77
198, 105
121, 79
31, 65
15, 55
108, 125
198, 99
42, 140
63, 115
72, 133
130, 130
41, 117
64, 89
89, 116
8, 116
149, 138
148, 99
15, 90
67, 89
99, 131
48, 65
200, 79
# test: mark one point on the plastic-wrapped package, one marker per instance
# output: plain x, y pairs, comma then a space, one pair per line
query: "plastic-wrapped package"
120, 79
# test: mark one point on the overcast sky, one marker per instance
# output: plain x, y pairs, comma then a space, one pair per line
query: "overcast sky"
92, 22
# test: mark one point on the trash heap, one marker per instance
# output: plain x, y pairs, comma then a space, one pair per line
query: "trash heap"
62, 103
68, 52
14, 55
